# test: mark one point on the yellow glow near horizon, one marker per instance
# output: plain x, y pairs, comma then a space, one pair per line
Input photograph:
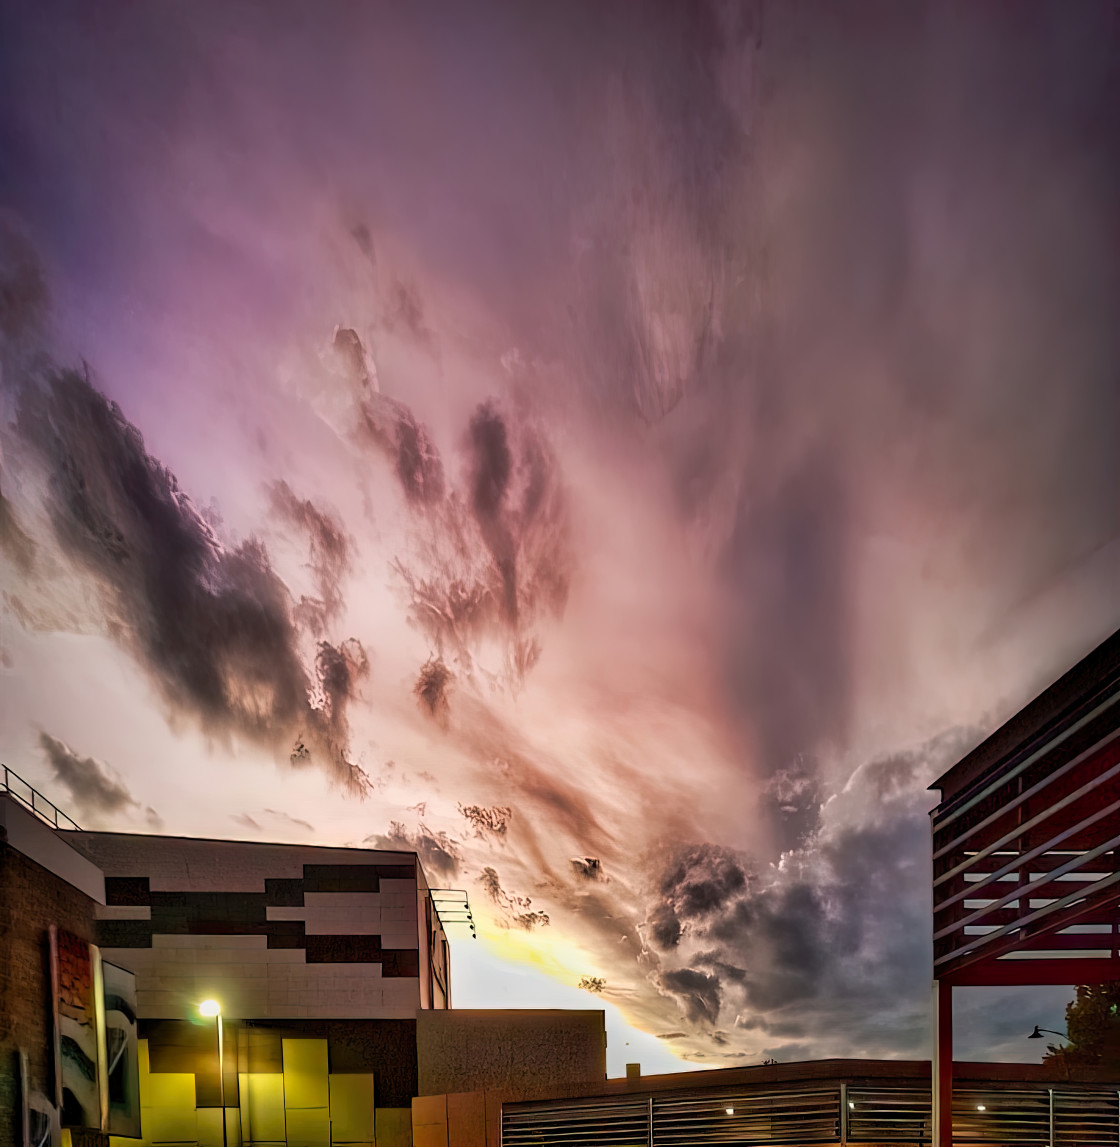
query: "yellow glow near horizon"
210, 1008
545, 953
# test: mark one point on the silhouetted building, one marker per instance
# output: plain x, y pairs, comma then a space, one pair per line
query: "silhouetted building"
1026, 851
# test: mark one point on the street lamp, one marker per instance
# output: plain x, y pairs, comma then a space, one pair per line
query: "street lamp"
210, 1008
1037, 1033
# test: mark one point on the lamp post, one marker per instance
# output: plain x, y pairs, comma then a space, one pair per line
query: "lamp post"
1037, 1033
210, 1008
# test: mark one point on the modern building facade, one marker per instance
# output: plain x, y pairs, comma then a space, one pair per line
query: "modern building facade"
329, 968
1026, 852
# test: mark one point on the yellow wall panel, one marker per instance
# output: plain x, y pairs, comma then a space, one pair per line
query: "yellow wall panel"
262, 1099
351, 1108
169, 1115
308, 1127
210, 1127
305, 1073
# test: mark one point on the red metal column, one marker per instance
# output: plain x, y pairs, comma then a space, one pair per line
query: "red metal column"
942, 1064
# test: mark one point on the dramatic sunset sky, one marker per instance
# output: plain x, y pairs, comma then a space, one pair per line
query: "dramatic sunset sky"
622, 451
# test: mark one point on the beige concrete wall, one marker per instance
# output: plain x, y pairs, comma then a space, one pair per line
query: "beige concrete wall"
254, 981
514, 1052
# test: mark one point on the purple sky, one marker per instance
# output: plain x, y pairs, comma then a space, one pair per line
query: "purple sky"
625, 458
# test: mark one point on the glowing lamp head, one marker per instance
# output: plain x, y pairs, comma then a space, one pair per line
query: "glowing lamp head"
981, 1107
210, 1008
730, 1110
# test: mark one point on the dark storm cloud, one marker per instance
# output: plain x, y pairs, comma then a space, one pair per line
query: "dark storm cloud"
431, 687
329, 555
517, 911
393, 430
499, 559
213, 625
93, 786
587, 867
487, 821
697, 993
438, 852
790, 801
698, 882
389, 426
492, 559
491, 466
841, 925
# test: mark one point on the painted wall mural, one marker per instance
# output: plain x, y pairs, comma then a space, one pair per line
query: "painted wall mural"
75, 973
122, 1051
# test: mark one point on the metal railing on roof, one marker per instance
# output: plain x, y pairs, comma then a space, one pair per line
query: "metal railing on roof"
34, 801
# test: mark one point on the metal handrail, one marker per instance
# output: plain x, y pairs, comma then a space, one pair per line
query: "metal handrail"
43, 807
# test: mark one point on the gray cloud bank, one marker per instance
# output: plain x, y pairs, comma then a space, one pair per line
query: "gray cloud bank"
214, 625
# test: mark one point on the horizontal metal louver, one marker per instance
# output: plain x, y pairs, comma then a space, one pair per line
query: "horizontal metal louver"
600, 1124
988, 1117
889, 1115
1002, 1117
1086, 1119
741, 1117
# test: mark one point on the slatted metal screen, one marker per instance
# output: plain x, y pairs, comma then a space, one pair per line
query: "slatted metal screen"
889, 1115
721, 1116
1005, 1116
982, 1117
1086, 1120
604, 1123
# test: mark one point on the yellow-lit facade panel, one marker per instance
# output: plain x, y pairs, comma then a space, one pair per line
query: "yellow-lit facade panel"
305, 1074
262, 1106
309, 1127
210, 1127
351, 1108
167, 1112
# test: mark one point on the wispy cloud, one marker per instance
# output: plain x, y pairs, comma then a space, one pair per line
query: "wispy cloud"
213, 624
96, 788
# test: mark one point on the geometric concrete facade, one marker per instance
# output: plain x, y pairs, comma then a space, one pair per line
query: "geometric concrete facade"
273, 931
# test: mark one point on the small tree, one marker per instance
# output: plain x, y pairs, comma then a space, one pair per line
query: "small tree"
1093, 1028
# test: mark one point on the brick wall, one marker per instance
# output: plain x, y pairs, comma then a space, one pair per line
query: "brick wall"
31, 900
